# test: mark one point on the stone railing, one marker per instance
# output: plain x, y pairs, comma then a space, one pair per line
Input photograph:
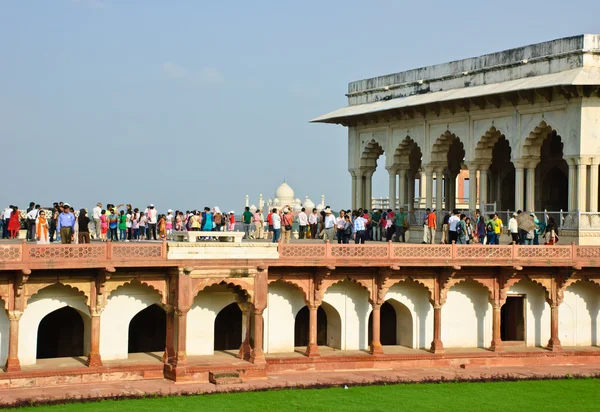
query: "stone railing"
34, 256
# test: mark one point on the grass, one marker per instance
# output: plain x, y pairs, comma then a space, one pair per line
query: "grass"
548, 395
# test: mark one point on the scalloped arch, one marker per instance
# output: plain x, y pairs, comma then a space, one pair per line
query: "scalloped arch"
134, 282
330, 282
410, 279
572, 282
454, 281
235, 284
532, 144
297, 284
486, 143
62, 285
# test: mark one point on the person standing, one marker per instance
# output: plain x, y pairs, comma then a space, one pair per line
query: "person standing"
399, 223
208, 220
286, 225
359, 229
499, 227
490, 228
123, 226
376, 225
452, 221
152, 221
276, 225
113, 223
32, 216
96, 213
259, 221
247, 219
480, 227
66, 221
313, 221
432, 225
41, 229
461, 230
426, 238
329, 226
445, 226
302, 223
341, 224
83, 236
347, 231
270, 224
390, 229
513, 229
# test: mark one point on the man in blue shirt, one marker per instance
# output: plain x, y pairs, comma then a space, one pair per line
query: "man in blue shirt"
66, 221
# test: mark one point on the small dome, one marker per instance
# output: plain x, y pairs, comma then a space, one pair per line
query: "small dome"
284, 191
297, 207
253, 208
276, 201
297, 201
320, 207
309, 205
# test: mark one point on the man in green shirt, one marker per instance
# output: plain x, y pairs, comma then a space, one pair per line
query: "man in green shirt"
247, 219
490, 229
375, 225
399, 220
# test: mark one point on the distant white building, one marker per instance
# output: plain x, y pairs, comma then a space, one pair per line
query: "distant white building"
284, 196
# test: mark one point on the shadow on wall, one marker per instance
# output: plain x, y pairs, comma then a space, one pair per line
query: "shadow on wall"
334, 326
414, 297
537, 311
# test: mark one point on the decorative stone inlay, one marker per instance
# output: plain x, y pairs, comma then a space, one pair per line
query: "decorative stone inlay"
182, 250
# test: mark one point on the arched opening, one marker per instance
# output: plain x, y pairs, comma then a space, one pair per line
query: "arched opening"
301, 327
61, 334
333, 331
371, 159
552, 183
148, 330
388, 325
408, 156
501, 189
448, 152
228, 328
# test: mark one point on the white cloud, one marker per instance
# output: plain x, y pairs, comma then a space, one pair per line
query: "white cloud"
207, 76
92, 4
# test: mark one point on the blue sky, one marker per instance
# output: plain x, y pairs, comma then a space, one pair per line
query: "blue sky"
189, 104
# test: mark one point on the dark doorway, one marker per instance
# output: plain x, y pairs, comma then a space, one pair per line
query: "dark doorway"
60, 334
512, 319
148, 330
388, 325
228, 328
302, 323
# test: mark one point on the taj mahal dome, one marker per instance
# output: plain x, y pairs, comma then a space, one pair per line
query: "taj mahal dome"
284, 196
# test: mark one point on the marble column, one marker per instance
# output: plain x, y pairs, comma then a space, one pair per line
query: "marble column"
447, 191
402, 187
496, 345
554, 343
436, 344
258, 356
368, 203
530, 190
392, 188
593, 205
354, 190
572, 186
428, 187
483, 187
473, 189
312, 349
94, 355
245, 350
376, 348
439, 183
12, 363
410, 201
581, 186
359, 190
519, 187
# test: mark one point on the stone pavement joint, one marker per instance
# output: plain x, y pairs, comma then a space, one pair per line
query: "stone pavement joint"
163, 387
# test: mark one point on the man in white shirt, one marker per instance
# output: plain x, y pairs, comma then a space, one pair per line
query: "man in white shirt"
96, 213
313, 221
454, 219
340, 223
303, 223
6, 218
513, 228
329, 225
31, 217
152, 220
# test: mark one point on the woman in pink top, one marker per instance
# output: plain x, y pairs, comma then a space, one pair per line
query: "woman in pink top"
103, 225
231, 221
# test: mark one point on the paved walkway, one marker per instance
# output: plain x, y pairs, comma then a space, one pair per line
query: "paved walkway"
296, 379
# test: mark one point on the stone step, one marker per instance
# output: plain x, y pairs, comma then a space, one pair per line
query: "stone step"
224, 378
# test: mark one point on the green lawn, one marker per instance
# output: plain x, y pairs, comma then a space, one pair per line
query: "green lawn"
573, 394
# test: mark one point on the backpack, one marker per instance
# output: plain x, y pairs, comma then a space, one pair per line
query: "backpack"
489, 227
459, 229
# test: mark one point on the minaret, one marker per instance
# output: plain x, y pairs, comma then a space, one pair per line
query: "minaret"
247, 203
323, 200
261, 204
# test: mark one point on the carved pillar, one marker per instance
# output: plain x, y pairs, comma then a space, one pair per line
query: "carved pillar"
12, 363
402, 188
368, 190
530, 194
94, 355
439, 183
392, 188
245, 351
519, 186
581, 185
572, 185
359, 189
411, 191
483, 186
354, 189
376, 348
593, 206
554, 300
179, 295
258, 356
436, 345
473, 188
428, 176
312, 349
170, 338
497, 345
181, 336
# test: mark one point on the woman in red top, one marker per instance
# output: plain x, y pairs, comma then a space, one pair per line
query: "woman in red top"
231, 221
14, 223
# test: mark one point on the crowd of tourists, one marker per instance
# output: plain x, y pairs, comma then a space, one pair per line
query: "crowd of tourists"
125, 223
